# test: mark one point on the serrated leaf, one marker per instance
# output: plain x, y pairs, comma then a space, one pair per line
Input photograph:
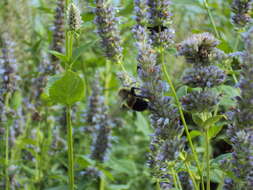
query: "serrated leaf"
59, 55
68, 89
142, 125
119, 187
78, 51
214, 130
195, 133
182, 91
216, 161
197, 120
83, 161
107, 173
212, 120
16, 100
45, 98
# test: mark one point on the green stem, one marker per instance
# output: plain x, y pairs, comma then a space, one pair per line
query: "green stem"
108, 76
102, 183
67, 3
235, 48
158, 185
70, 149
181, 113
211, 19
174, 178
191, 176
179, 182
70, 46
216, 32
38, 156
207, 158
122, 66
7, 130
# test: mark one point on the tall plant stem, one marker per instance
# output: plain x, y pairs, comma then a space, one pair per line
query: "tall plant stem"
108, 77
158, 185
216, 32
38, 154
180, 112
179, 182
7, 132
102, 183
191, 176
122, 66
70, 149
207, 158
211, 19
174, 175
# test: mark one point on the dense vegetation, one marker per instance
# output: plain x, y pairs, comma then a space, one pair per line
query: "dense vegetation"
126, 95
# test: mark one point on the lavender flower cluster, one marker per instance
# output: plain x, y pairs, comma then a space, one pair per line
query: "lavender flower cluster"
165, 144
159, 17
241, 12
200, 50
99, 123
9, 75
107, 29
155, 16
58, 30
241, 130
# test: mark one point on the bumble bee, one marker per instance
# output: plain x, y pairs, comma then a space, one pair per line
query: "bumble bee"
156, 29
132, 100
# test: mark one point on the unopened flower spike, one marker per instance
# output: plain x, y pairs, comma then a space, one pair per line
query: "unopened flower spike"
74, 18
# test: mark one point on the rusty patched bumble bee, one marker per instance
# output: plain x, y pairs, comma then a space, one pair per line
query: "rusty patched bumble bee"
132, 100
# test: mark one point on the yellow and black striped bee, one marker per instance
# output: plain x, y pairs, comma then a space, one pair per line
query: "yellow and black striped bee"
156, 29
132, 100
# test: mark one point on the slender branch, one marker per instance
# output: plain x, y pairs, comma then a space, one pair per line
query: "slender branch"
108, 77
211, 19
207, 158
102, 183
158, 185
181, 112
191, 176
70, 149
7, 132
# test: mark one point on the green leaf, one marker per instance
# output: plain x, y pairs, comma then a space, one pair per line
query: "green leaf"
62, 187
107, 173
16, 100
211, 121
216, 175
142, 125
195, 133
68, 89
119, 187
228, 94
45, 98
197, 120
59, 55
182, 91
83, 161
215, 163
214, 130
78, 51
